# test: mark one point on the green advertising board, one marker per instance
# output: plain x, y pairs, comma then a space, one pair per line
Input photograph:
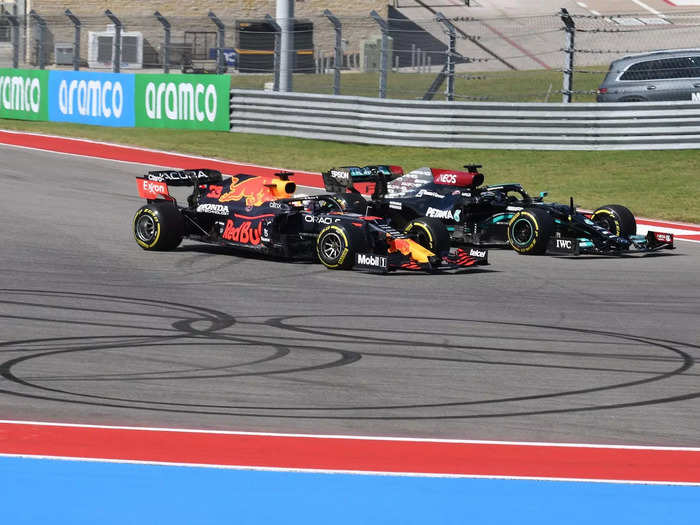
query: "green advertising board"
24, 94
182, 101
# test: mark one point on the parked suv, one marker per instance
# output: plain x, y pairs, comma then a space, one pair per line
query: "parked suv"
660, 75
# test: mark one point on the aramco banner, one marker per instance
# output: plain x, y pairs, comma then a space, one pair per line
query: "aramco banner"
116, 99
24, 94
182, 101
101, 99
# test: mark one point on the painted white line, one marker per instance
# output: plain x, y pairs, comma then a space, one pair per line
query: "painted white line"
333, 436
648, 8
353, 472
139, 148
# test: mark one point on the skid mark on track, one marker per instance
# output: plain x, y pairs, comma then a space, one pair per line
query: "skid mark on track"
172, 351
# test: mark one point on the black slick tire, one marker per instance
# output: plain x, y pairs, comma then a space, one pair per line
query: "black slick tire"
337, 245
158, 226
529, 231
616, 219
430, 233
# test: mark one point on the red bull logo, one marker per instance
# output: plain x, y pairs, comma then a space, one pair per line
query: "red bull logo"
244, 233
251, 189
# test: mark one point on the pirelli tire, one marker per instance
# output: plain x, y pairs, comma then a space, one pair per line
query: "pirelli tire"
616, 219
430, 233
351, 203
337, 245
158, 226
529, 231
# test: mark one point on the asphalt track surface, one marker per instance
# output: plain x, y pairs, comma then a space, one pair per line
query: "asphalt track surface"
93, 329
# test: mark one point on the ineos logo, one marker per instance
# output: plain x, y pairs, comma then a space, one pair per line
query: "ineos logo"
448, 178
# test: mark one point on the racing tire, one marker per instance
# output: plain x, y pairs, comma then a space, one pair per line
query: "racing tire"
616, 219
430, 233
351, 203
337, 245
158, 226
529, 231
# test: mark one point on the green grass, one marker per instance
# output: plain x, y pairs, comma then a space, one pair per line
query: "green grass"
659, 184
508, 86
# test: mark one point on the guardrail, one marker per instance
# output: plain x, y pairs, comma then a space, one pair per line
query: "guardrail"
487, 125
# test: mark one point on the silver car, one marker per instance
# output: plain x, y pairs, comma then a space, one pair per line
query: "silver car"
660, 75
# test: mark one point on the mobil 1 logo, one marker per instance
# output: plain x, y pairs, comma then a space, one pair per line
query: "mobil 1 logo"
374, 263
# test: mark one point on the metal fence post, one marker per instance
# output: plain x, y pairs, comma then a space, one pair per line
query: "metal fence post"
568, 71
76, 39
220, 44
276, 64
15, 37
286, 22
383, 59
41, 58
117, 44
338, 61
451, 52
166, 41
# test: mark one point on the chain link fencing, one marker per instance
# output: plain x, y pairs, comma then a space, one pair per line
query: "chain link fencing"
518, 59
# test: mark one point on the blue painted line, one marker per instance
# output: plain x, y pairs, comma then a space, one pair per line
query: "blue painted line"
61, 491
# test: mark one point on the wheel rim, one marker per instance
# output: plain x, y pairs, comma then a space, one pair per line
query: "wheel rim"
523, 232
331, 246
607, 222
146, 228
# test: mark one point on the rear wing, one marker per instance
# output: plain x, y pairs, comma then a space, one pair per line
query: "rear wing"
345, 178
155, 184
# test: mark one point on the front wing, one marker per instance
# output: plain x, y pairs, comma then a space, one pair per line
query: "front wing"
456, 259
651, 242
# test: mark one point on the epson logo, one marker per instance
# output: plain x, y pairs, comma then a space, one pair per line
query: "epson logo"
342, 176
443, 214
218, 209
91, 98
565, 243
376, 261
477, 253
181, 101
20, 94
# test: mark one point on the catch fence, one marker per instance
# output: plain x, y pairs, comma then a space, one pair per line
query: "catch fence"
389, 54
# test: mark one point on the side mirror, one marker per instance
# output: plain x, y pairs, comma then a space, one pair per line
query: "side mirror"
543, 194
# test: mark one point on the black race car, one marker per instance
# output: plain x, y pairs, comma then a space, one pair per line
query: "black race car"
261, 214
502, 214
